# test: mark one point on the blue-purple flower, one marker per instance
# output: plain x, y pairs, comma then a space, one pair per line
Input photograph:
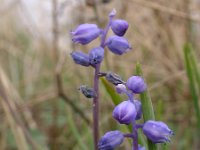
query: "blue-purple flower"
80, 58
110, 140
85, 33
157, 131
119, 27
136, 84
96, 55
118, 45
125, 112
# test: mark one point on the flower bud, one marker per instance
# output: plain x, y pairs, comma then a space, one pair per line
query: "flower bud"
136, 84
118, 45
88, 92
110, 140
114, 78
119, 27
120, 88
85, 33
141, 147
157, 131
138, 107
96, 55
80, 58
125, 112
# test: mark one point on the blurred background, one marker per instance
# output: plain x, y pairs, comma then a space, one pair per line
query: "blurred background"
40, 105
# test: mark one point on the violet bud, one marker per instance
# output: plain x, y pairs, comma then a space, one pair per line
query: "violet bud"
119, 27
96, 55
141, 147
157, 131
138, 106
114, 78
110, 140
118, 45
88, 92
136, 84
80, 58
125, 112
120, 88
85, 33
112, 13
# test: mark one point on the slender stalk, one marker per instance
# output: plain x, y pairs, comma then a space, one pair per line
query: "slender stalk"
96, 107
135, 133
96, 89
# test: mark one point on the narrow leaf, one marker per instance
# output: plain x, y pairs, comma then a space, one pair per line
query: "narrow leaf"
147, 107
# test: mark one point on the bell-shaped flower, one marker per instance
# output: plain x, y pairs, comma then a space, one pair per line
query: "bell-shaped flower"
125, 112
136, 84
110, 140
118, 45
85, 33
96, 55
157, 131
80, 58
119, 27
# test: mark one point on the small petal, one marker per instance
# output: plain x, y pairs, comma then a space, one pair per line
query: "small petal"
157, 131
136, 84
120, 88
80, 58
85, 33
118, 45
110, 140
125, 112
96, 55
119, 27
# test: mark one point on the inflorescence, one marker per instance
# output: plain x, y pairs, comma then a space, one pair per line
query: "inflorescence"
130, 110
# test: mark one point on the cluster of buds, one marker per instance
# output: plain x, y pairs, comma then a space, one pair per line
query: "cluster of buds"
130, 110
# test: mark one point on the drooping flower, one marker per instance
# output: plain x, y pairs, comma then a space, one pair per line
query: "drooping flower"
80, 58
96, 55
110, 140
157, 131
118, 45
125, 112
136, 84
87, 92
114, 78
120, 88
85, 33
119, 27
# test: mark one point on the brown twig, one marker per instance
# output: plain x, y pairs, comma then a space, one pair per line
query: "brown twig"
59, 64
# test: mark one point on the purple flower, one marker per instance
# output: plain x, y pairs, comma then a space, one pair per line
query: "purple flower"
80, 58
136, 84
125, 112
118, 45
119, 27
157, 131
138, 107
85, 33
96, 55
110, 140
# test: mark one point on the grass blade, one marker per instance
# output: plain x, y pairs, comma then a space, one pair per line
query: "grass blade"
190, 69
147, 107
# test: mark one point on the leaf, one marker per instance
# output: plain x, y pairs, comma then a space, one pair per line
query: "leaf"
147, 107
